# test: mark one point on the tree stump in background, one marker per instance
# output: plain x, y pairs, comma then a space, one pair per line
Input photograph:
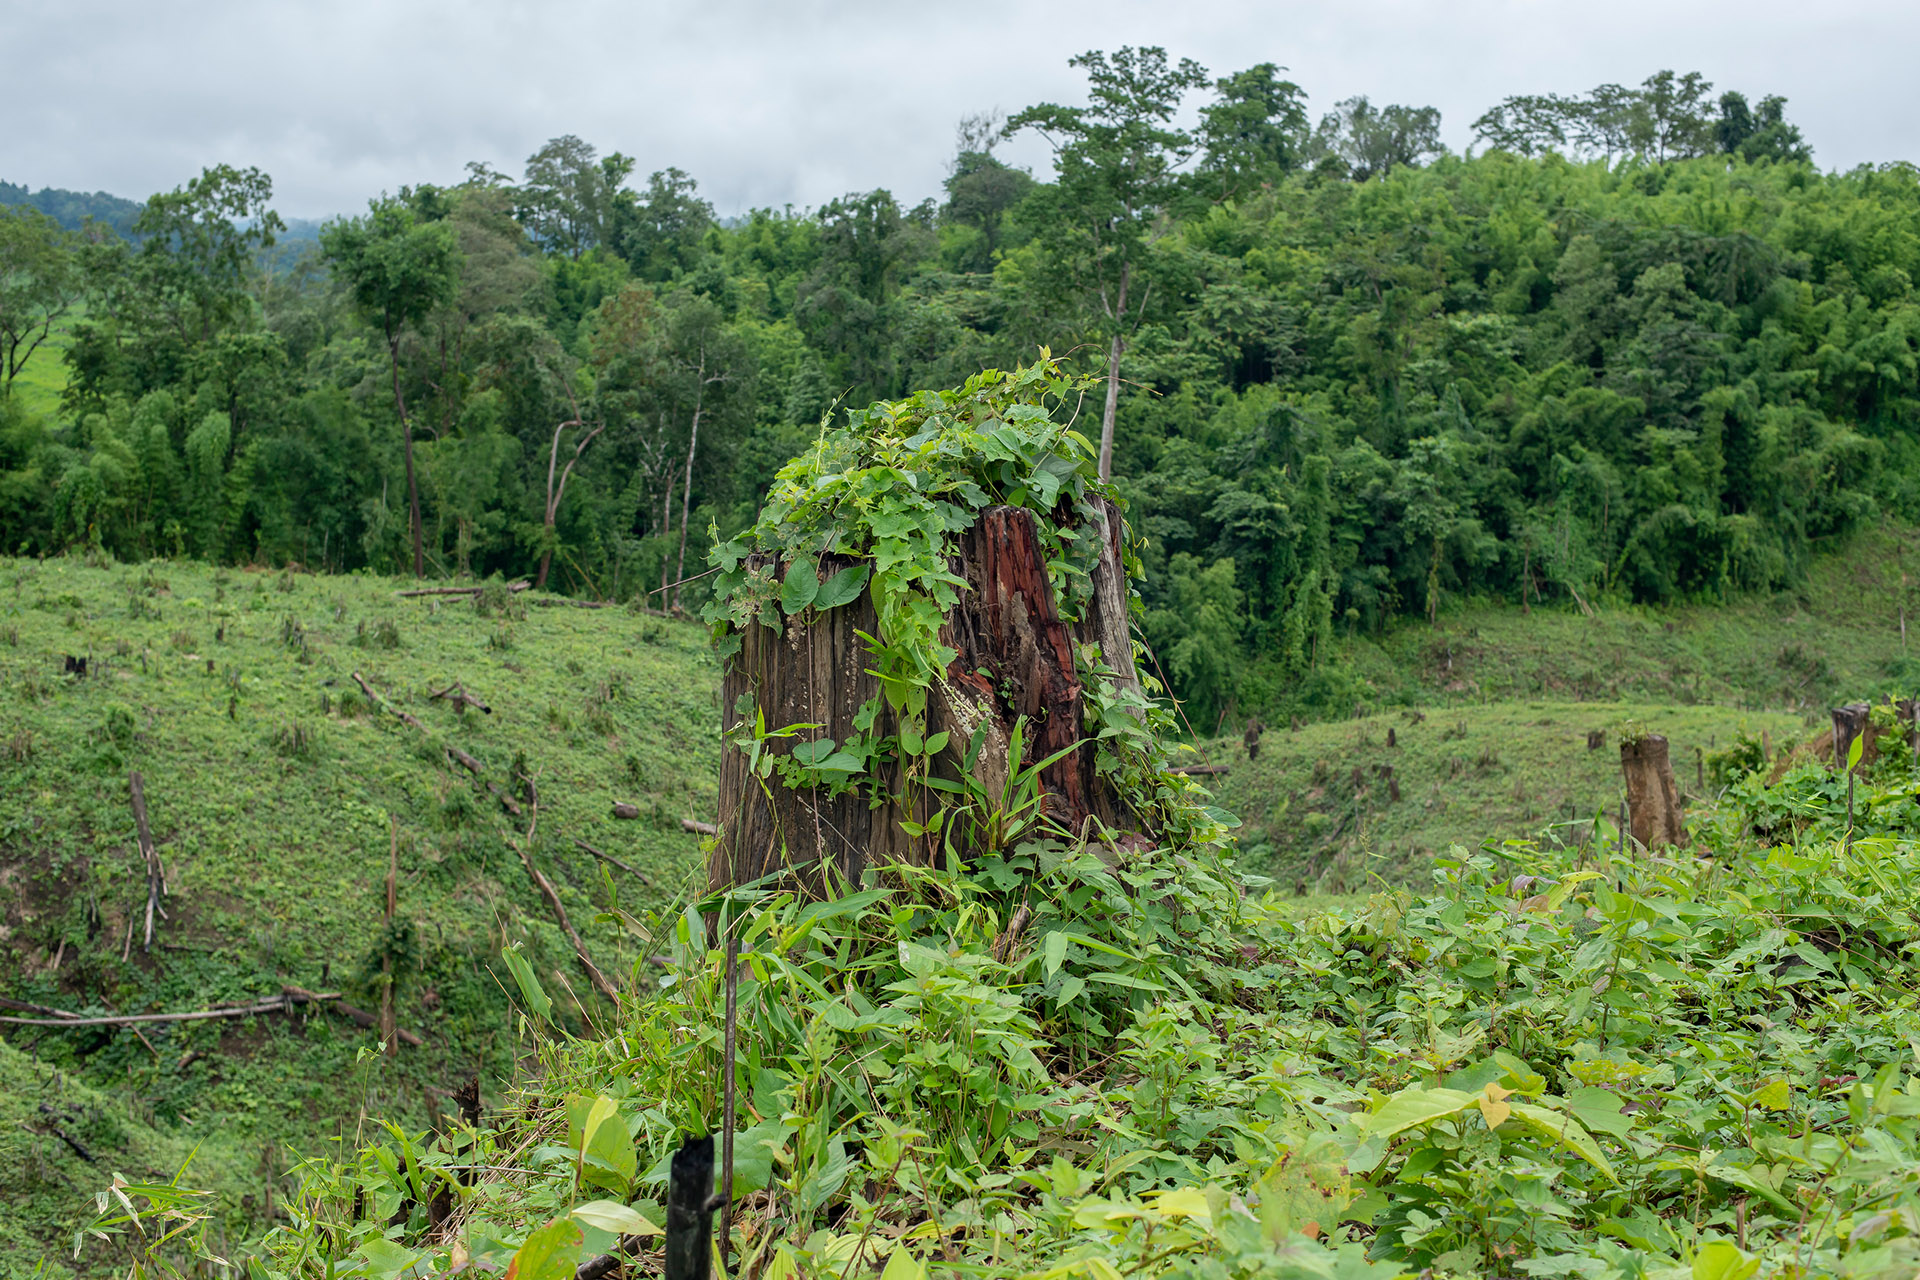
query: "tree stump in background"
1653, 801
1849, 722
1014, 659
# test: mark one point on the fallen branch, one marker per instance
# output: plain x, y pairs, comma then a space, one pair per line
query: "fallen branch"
354, 1014
699, 828
1194, 769
454, 753
461, 698
562, 602
525, 850
641, 876
277, 1004
456, 591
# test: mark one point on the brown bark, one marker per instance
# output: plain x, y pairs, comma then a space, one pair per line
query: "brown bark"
1849, 722
1654, 814
1014, 660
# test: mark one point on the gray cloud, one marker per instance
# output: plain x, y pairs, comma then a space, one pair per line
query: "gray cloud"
776, 103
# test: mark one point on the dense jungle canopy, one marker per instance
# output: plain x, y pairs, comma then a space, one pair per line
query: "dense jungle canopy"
1639, 347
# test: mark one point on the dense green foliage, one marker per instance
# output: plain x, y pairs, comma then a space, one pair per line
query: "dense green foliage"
1544, 1065
1353, 378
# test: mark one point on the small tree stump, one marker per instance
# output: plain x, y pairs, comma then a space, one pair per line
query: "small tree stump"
1849, 722
1653, 801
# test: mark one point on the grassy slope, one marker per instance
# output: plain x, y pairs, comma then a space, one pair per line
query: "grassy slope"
1508, 698
45, 377
276, 852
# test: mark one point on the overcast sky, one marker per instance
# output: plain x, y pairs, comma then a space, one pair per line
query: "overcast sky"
802, 100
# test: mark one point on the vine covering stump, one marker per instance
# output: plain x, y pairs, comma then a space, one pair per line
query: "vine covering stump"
928, 630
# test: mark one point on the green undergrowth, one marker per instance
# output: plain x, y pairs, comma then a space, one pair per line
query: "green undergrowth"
1466, 774
1541, 1065
276, 794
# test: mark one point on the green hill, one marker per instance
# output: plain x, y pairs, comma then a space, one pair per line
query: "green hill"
275, 795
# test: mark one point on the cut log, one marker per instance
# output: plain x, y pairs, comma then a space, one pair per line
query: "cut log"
624, 811
1197, 770
1653, 801
698, 827
458, 695
1014, 661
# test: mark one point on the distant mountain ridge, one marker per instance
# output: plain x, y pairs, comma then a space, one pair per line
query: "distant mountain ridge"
71, 209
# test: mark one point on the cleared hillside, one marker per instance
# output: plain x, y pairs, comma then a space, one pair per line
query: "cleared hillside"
276, 795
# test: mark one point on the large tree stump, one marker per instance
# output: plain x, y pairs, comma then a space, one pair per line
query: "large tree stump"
1653, 801
1014, 659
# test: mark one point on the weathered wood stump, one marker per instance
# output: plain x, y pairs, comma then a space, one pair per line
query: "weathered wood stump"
1015, 659
1654, 814
1849, 722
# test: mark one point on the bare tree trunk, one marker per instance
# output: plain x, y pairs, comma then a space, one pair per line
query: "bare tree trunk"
686, 511
406, 433
1007, 625
1653, 801
666, 531
1113, 375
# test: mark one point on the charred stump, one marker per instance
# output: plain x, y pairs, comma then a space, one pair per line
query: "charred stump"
1654, 814
1015, 659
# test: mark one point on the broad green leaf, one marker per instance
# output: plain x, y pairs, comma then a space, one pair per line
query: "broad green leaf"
842, 588
550, 1253
1568, 1132
802, 585
1775, 1095
1184, 1202
387, 1260
1053, 952
1722, 1260
609, 1142
611, 1215
1854, 751
904, 1266
1411, 1108
812, 753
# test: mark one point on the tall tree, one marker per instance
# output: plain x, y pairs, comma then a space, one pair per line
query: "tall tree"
982, 189
1117, 162
1255, 132
569, 195
197, 249
399, 270
1370, 141
40, 282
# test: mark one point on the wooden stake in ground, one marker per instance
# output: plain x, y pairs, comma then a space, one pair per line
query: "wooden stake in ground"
1653, 801
1849, 722
156, 879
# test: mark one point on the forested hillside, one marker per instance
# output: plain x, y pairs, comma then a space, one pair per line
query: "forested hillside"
1640, 347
